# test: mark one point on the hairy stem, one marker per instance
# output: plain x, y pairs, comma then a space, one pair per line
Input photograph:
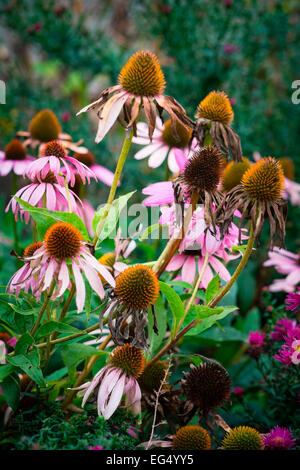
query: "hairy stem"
48, 296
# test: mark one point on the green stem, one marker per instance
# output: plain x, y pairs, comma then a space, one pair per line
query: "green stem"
120, 165
48, 296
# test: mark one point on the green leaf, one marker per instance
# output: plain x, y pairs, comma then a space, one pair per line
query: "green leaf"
212, 289
75, 352
23, 344
51, 326
175, 303
45, 218
28, 365
57, 375
22, 311
161, 316
183, 284
151, 229
112, 217
5, 371
206, 317
11, 390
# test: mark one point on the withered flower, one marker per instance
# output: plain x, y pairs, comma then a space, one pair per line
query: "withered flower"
215, 115
257, 197
201, 176
137, 288
141, 84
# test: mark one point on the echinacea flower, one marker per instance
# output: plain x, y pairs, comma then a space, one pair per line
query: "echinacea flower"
214, 116
136, 289
102, 173
118, 378
293, 301
45, 127
62, 257
243, 438
164, 144
141, 84
287, 263
14, 158
258, 197
191, 438
278, 438
233, 173
46, 192
61, 166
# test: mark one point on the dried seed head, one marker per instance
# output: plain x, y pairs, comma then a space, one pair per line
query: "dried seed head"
207, 386
87, 159
203, 170
191, 438
184, 135
233, 173
31, 249
152, 377
142, 75
216, 107
264, 181
62, 240
129, 359
54, 148
44, 126
137, 287
288, 167
15, 150
243, 438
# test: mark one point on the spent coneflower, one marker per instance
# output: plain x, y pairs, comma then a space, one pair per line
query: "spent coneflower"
191, 438
215, 115
14, 158
208, 386
201, 175
153, 376
136, 289
118, 378
258, 197
102, 173
63, 167
62, 257
141, 84
45, 127
233, 173
243, 438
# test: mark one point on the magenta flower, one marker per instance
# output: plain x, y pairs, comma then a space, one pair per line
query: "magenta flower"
14, 158
95, 448
239, 392
62, 258
230, 48
256, 338
278, 438
293, 301
283, 327
46, 193
287, 263
163, 144
289, 353
61, 166
116, 379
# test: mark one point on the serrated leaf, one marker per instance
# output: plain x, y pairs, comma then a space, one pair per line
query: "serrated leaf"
174, 302
212, 289
45, 218
206, 317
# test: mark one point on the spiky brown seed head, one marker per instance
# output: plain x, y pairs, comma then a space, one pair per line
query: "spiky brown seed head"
87, 159
44, 126
152, 377
233, 173
15, 150
216, 107
31, 249
54, 148
203, 170
264, 181
243, 438
207, 386
191, 438
62, 240
184, 135
288, 167
142, 75
129, 359
137, 287
108, 259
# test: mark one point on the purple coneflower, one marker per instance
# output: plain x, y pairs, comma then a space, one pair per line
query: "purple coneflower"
118, 378
14, 158
287, 263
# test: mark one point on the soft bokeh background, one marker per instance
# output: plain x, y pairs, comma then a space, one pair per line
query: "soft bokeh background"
60, 54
